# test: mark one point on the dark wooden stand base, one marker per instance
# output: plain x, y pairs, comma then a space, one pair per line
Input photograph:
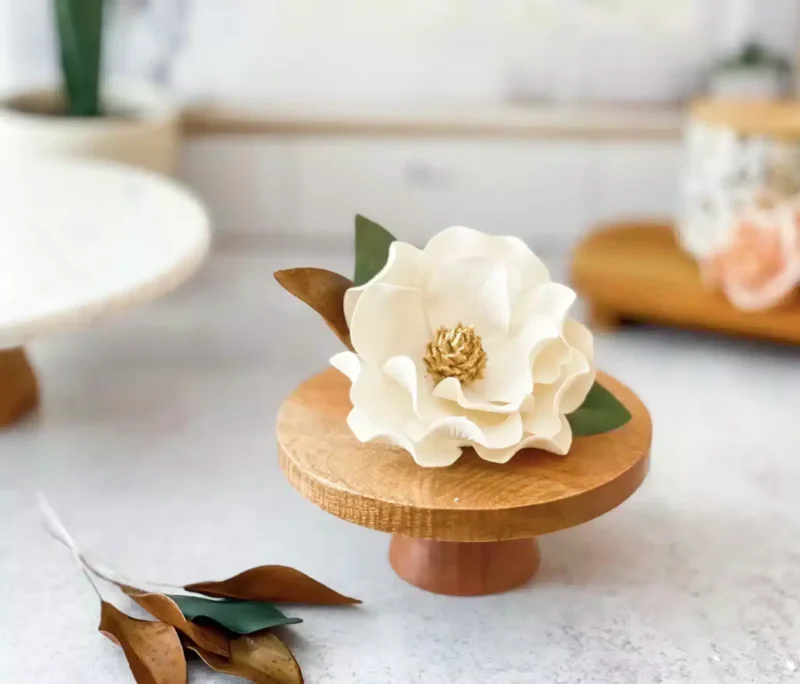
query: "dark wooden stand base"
19, 391
464, 568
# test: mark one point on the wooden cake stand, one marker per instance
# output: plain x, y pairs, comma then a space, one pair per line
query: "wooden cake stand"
81, 240
468, 529
638, 272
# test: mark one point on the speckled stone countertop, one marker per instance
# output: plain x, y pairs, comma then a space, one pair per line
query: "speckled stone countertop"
156, 444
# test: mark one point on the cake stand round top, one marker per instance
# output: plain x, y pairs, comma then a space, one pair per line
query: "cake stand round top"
381, 487
82, 239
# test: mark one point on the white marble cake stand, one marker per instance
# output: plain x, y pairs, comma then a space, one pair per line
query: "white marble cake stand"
80, 240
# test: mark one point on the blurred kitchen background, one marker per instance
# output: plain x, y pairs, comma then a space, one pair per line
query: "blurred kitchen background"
533, 117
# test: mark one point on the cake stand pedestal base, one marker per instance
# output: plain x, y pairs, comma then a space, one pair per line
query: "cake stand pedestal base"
469, 529
464, 568
19, 391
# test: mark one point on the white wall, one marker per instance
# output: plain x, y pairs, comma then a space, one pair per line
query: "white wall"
253, 51
257, 51
295, 190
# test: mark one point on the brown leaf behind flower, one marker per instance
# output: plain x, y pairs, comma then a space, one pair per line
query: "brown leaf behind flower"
153, 649
275, 583
165, 609
262, 658
324, 292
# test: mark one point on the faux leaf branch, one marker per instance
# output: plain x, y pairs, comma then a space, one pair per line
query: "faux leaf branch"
324, 292
451, 321
229, 632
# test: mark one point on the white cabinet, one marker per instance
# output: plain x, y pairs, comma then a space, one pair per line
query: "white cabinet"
307, 189
418, 187
247, 183
630, 179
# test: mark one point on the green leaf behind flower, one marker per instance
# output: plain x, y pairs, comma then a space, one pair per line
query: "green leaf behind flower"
600, 412
372, 249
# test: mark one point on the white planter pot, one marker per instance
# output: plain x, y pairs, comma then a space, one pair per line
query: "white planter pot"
142, 128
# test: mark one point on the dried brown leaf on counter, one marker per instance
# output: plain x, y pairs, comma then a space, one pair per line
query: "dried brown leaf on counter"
153, 649
262, 658
276, 583
165, 609
324, 292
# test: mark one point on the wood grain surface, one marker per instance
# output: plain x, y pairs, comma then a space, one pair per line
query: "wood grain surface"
637, 271
773, 118
19, 392
464, 568
382, 488
527, 122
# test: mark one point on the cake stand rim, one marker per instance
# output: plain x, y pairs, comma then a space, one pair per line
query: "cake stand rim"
470, 524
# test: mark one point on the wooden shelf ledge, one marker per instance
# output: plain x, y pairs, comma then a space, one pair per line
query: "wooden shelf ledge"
473, 121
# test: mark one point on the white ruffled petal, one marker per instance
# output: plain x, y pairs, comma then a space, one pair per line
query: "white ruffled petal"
389, 321
470, 291
437, 450
510, 370
542, 420
499, 434
403, 268
363, 427
439, 445
577, 373
351, 298
381, 401
468, 399
557, 444
565, 394
548, 360
404, 371
410, 375
577, 378
459, 242
502, 441
348, 363
497, 455
579, 336
465, 430
507, 378
552, 300
366, 431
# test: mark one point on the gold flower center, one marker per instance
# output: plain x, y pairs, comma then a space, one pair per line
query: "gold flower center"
456, 353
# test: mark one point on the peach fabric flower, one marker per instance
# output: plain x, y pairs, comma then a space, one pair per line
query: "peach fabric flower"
760, 266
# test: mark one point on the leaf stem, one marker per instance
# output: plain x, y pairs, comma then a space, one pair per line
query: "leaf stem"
56, 529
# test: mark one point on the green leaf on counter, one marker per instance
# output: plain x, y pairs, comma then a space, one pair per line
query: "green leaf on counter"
242, 617
372, 249
600, 412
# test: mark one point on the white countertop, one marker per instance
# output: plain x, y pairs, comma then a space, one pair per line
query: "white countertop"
155, 442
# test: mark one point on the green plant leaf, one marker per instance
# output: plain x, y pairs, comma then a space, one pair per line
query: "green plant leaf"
372, 249
79, 24
600, 412
242, 617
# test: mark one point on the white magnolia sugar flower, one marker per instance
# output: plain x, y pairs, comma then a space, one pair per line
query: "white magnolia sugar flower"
465, 343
